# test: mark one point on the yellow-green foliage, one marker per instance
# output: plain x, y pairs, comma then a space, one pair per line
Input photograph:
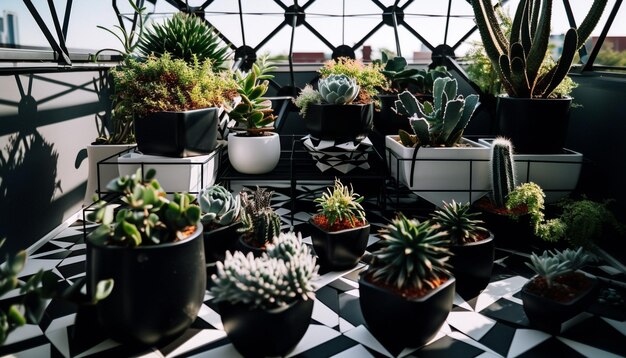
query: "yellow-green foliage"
368, 77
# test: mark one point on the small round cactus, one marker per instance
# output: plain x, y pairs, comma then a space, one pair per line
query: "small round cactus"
338, 89
218, 205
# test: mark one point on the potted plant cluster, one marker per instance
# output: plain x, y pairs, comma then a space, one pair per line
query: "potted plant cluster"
471, 246
532, 115
558, 291
220, 220
254, 148
153, 249
260, 223
407, 283
340, 229
435, 156
266, 302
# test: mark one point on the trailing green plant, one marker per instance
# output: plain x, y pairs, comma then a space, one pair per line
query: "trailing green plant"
400, 78
413, 255
184, 36
148, 217
338, 89
502, 171
551, 265
531, 196
307, 96
218, 205
440, 123
281, 276
518, 57
339, 208
368, 77
459, 224
261, 224
254, 112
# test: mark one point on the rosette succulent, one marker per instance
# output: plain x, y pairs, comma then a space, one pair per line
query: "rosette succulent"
218, 205
551, 265
459, 224
338, 89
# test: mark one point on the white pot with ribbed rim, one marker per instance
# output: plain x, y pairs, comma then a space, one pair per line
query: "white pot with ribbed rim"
254, 155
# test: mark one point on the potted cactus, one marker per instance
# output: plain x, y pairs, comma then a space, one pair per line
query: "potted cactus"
532, 115
153, 250
220, 220
340, 230
260, 223
409, 274
558, 291
471, 245
435, 161
266, 302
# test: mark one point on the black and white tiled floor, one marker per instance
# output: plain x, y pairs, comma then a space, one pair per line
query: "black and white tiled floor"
490, 325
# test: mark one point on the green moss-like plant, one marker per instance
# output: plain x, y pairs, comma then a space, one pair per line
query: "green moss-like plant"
587, 221
368, 77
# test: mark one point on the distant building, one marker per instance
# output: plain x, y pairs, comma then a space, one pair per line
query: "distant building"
619, 42
8, 28
308, 57
424, 56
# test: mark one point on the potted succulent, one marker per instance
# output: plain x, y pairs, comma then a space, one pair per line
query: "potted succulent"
220, 219
521, 62
558, 291
435, 160
266, 303
254, 148
153, 249
471, 245
340, 230
260, 223
409, 274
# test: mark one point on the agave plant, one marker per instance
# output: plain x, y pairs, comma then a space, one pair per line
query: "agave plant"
456, 220
184, 36
338, 89
219, 206
413, 255
551, 265
440, 123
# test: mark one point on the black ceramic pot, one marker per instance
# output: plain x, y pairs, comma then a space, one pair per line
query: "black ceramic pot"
259, 333
339, 122
471, 266
158, 290
509, 233
178, 134
535, 126
398, 322
339, 250
220, 240
244, 247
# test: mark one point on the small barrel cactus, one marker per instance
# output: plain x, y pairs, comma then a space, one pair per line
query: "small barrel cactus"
218, 205
282, 275
260, 222
502, 171
338, 89
459, 224
413, 255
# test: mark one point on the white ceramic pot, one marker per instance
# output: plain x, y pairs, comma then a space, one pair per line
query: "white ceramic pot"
96, 153
254, 155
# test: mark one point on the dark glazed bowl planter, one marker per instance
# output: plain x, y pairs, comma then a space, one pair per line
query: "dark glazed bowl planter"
339, 122
471, 266
535, 126
246, 248
158, 290
260, 333
178, 134
339, 250
398, 322
220, 240
547, 314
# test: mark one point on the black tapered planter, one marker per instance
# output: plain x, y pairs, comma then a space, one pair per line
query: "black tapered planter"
220, 240
178, 134
398, 322
547, 314
509, 233
471, 265
535, 126
260, 333
339, 122
339, 250
158, 289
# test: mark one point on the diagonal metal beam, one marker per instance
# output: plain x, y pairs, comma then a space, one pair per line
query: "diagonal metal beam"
270, 35
368, 35
63, 57
57, 26
66, 19
594, 53
309, 3
419, 37
280, 3
319, 36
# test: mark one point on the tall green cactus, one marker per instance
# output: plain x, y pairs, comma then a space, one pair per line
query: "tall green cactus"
502, 171
260, 222
518, 59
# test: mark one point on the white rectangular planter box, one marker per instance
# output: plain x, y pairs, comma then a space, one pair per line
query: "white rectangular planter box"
556, 174
442, 174
190, 174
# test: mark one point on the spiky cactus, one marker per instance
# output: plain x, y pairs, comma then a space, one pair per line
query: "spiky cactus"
338, 89
219, 206
502, 171
551, 265
518, 58
340, 205
260, 222
459, 224
279, 277
413, 255
440, 123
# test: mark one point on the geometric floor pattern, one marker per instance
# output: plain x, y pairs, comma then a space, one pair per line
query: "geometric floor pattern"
493, 324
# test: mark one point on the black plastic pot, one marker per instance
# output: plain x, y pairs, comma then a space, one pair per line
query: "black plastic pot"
471, 265
220, 240
535, 126
398, 322
158, 290
339, 250
259, 333
508, 233
339, 122
178, 134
